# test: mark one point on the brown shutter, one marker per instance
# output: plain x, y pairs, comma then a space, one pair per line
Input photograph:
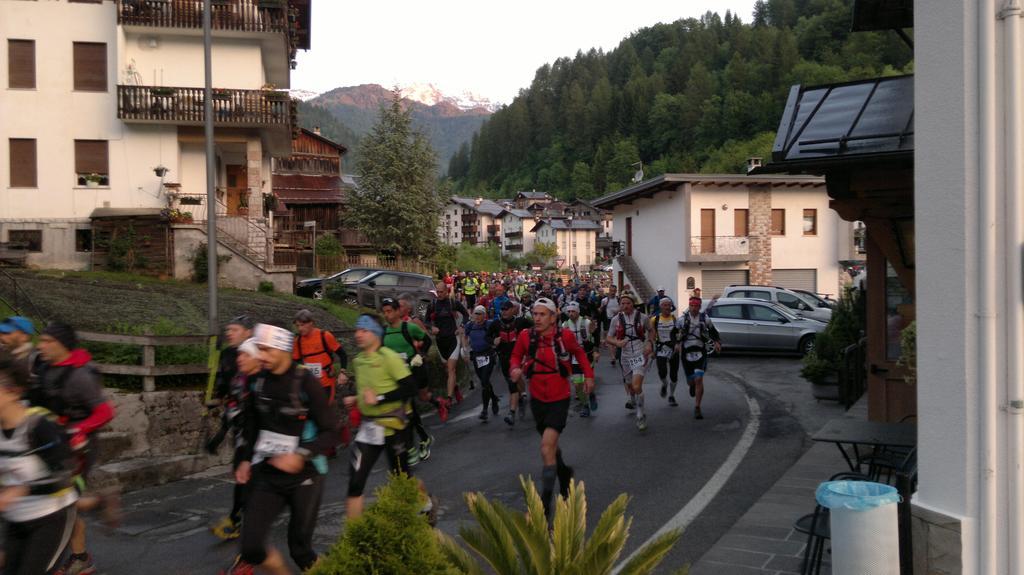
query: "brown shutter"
778, 222
21, 64
91, 157
23, 163
741, 227
90, 66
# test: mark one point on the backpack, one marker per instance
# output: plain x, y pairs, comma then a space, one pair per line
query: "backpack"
657, 335
412, 342
323, 345
561, 355
702, 320
638, 327
472, 326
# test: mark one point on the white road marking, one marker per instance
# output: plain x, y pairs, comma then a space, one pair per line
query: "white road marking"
700, 501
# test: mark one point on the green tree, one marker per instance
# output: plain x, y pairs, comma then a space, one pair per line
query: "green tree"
397, 206
543, 253
511, 543
581, 186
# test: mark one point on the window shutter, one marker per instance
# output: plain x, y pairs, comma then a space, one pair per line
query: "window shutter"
90, 66
21, 64
741, 226
23, 163
91, 157
778, 222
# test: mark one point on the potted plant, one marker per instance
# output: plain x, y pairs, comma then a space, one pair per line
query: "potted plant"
93, 180
161, 91
243, 205
221, 94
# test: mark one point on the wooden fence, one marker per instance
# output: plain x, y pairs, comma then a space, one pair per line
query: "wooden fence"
327, 265
149, 370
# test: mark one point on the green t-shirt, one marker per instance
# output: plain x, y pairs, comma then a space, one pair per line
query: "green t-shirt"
381, 372
394, 340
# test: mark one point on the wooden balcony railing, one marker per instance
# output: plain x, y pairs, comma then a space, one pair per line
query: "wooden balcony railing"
185, 106
234, 15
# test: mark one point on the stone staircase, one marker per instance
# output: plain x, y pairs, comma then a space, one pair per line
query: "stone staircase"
636, 278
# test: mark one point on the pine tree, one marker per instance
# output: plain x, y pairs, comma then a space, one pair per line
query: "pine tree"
397, 206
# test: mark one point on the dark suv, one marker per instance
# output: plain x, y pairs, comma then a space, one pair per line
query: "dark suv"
316, 288
387, 283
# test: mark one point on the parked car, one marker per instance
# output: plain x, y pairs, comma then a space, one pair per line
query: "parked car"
756, 324
316, 287
387, 283
798, 304
823, 301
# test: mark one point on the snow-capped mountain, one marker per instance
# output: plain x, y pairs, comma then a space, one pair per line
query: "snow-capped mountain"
304, 95
431, 95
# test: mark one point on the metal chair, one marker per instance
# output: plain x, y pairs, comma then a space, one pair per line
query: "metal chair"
817, 527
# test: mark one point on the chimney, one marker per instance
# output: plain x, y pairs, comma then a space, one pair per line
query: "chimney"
316, 130
478, 201
753, 163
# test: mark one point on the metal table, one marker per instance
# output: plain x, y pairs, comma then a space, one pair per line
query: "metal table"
856, 433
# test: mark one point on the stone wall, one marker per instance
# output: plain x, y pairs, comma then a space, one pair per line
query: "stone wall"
760, 222
937, 543
237, 272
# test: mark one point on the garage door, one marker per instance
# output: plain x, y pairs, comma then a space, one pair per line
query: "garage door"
796, 279
714, 282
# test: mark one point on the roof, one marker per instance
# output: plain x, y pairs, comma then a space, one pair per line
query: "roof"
125, 213
567, 224
865, 121
309, 189
534, 195
489, 207
340, 147
664, 182
519, 213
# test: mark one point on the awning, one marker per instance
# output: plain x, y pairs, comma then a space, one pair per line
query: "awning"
309, 189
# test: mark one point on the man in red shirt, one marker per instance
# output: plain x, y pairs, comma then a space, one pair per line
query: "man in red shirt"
318, 351
544, 356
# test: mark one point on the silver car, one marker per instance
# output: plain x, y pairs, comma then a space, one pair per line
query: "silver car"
754, 324
798, 304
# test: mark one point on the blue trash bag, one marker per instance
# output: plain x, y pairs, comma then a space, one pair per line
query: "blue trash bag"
856, 495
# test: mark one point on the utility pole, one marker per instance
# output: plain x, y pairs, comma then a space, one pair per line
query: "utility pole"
211, 166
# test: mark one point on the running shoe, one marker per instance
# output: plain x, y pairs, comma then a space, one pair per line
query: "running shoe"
510, 419
240, 567
693, 389
697, 414
76, 565
630, 404
672, 401
483, 414
458, 395
425, 446
585, 411
226, 529
664, 390
641, 423
494, 406
414, 456
593, 402
443, 406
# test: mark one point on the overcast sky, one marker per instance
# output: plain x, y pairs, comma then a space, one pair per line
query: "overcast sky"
490, 48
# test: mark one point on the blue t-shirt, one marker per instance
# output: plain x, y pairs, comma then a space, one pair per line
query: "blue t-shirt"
477, 335
496, 305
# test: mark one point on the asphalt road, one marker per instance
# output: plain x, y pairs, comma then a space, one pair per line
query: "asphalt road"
165, 528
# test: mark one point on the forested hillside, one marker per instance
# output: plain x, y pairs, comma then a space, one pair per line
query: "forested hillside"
694, 95
312, 116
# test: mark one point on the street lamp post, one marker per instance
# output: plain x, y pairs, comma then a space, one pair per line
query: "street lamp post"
211, 199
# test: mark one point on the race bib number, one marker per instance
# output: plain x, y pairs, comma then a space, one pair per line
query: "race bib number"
269, 444
665, 351
315, 368
370, 433
694, 355
632, 363
483, 360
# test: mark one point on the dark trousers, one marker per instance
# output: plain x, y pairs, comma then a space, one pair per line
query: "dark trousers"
33, 547
271, 492
484, 375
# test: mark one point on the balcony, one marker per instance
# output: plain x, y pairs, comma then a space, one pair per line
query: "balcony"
469, 231
494, 230
517, 234
719, 249
514, 247
184, 106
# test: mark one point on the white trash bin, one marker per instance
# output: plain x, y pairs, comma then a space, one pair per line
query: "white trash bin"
865, 527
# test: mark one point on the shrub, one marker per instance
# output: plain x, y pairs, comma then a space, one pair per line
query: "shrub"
266, 287
336, 292
328, 245
815, 369
843, 330
390, 537
908, 352
200, 273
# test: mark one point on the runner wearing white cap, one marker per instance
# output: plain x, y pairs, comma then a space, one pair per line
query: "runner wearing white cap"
627, 332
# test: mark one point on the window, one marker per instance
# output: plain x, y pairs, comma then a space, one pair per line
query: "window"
762, 313
741, 218
90, 66
83, 240
32, 239
793, 302
756, 294
727, 311
386, 280
778, 223
91, 158
23, 163
21, 64
810, 222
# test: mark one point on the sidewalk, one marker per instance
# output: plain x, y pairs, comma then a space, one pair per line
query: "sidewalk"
763, 541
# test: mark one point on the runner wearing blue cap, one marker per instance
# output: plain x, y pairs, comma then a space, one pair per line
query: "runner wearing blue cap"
16, 336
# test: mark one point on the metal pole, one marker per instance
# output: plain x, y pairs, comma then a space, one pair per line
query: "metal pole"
316, 270
211, 166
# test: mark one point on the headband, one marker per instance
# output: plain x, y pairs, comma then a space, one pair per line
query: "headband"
272, 336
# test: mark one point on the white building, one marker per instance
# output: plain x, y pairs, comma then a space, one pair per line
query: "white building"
575, 239
471, 221
709, 231
115, 89
518, 236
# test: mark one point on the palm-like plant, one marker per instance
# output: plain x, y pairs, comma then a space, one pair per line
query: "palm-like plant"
512, 543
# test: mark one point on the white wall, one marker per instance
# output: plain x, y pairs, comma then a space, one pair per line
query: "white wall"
797, 251
237, 63
661, 233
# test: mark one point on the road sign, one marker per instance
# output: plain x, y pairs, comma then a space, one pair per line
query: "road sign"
559, 262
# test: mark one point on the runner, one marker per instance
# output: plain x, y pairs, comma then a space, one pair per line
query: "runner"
289, 427
16, 334
384, 385
664, 334
470, 287
696, 332
653, 305
503, 332
445, 326
494, 310
68, 386
37, 497
234, 398
318, 351
627, 334
411, 344
481, 349
542, 355
609, 309
585, 330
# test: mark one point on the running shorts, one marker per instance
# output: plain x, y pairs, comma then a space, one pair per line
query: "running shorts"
448, 346
549, 415
696, 368
639, 366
